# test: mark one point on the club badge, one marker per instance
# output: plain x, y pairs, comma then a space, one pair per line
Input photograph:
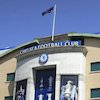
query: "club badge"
43, 58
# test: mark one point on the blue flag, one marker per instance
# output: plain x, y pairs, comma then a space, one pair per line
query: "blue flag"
48, 11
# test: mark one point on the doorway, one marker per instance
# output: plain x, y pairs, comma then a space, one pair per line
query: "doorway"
45, 84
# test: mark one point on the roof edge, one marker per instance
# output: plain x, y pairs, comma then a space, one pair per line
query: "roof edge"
84, 35
18, 47
70, 34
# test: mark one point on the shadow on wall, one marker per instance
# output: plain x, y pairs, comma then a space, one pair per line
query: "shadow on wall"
11, 88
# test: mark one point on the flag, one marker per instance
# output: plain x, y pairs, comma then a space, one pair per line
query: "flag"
48, 11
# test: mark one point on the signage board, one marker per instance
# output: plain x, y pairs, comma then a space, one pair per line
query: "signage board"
50, 45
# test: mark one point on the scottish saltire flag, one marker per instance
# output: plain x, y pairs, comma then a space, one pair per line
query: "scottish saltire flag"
48, 11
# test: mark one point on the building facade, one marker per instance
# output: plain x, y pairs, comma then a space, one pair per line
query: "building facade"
67, 68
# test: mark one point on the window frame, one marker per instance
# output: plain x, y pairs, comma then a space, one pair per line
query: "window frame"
93, 71
93, 98
8, 97
9, 80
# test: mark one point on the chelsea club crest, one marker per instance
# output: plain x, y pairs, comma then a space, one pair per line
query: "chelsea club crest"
43, 58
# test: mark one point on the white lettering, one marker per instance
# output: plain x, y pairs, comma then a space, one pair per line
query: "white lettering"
75, 43
48, 45
36, 47
67, 43
52, 44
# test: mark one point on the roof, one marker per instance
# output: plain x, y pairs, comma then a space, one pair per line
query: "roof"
94, 35
71, 34
18, 47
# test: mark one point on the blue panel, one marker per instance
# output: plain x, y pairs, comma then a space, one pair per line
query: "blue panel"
45, 84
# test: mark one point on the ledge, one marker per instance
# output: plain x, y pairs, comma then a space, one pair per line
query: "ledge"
84, 35
53, 50
93, 72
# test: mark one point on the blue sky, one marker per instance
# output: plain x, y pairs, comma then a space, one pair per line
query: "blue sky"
21, 20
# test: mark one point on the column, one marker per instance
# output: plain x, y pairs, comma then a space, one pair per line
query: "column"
81, 87
14, 90
30, 89
57, 87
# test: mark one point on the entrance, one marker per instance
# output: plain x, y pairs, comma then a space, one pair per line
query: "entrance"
45, 84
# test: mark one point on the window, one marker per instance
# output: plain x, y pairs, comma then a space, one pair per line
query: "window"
95, 66
69, 83
78, 39
10, 76
95, 93
21, 86
9, 98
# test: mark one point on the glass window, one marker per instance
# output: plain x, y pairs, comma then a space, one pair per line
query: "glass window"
9, 98
78, 39
69, 87
21, 87
95, 93
10, 76
95, 66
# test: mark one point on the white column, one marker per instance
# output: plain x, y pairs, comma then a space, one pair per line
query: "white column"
31, 86
57, 87
30, 89
81, 87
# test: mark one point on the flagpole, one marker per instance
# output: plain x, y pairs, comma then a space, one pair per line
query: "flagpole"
54, 19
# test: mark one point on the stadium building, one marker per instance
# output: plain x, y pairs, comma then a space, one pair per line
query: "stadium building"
66, 69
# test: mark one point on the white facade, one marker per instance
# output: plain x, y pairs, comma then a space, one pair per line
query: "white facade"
67, 62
